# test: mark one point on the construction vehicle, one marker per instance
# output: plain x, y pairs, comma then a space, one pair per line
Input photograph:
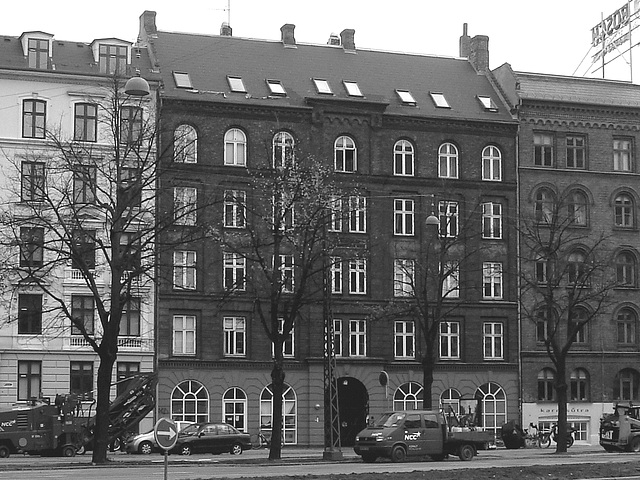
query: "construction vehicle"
61, 429
620, 431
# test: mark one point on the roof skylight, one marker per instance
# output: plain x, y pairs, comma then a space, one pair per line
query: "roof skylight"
236, 84
276, 87
440, 100
488, 103
406, 97
322, 86
352, 89
183, 80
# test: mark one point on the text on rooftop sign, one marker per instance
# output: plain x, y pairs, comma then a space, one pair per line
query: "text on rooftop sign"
610, 25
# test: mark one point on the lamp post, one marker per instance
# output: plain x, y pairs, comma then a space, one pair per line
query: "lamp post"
137, 86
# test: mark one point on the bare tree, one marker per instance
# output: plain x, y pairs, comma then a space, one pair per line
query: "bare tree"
565, 281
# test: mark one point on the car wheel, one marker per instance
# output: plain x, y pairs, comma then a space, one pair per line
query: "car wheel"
185, 450
466, 452
398, 454
145, 448
4, 451
236, 449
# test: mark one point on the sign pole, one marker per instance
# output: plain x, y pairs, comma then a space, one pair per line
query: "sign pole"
165, 434
166, 464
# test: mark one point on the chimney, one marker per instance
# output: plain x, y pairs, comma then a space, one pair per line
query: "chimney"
288, 38
225, 30
347, 40
464, 42
148, 24
479, 53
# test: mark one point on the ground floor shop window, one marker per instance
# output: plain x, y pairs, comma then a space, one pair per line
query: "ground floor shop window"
408, 396
190, 402
234, 405
289, 413
493, 402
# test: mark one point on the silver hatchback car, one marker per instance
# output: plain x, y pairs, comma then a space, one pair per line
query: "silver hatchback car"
145, 443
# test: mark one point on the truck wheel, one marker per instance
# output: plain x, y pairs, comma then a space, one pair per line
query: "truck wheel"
68, 451
369, 458
466, 452
634, 446
398, 454
4, 451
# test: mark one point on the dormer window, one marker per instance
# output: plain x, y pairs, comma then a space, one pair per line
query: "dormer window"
236, 84
488, 103
276, 87
183, 80
352, 89
439, 100
406, 97
322, 86
38, 53
112, 59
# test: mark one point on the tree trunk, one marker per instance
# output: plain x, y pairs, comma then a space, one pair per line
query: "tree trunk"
561, 390
427, 381
102, 420
277, 383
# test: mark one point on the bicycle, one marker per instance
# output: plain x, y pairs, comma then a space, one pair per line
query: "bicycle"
541, 438
570, 430
264, 441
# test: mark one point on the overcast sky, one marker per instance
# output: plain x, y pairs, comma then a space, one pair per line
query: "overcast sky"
545, 36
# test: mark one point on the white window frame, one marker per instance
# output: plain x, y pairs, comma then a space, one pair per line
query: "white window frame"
234, 208
352, 88
358, 276
403, 277
449, 340
404, 333
449, 219
403, 159
184, 335
493, 340
185, 144
322, 86
492, 220
283, 150
234, 270
276, 87
357, 338
236, 84
403, 216
185, 270
288, 345
335, 220
235, 148
337, 337
451, 281
185, 205
622, 155
287, 273
235, 336
491, 164
343, 146
357, 214
406, 97
448, 160
336, 275
492, 281
439, 100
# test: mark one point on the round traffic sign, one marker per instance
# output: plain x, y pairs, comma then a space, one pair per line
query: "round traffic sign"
165, 433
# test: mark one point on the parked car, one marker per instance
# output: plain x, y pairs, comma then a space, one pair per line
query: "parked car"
146, 443
211, 438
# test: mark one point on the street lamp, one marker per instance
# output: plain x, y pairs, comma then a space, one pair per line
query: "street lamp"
137, 86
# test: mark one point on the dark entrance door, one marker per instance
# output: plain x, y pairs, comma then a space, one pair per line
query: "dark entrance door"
353, 405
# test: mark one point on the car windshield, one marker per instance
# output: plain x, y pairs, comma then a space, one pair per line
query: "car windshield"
189, 430
390, 420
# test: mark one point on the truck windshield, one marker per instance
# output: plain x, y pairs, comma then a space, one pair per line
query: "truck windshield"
390, 420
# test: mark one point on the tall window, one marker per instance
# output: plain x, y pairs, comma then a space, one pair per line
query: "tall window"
544, 206
38, 53
543, 266
84, 246
130, 319
234, 408
235, 148
579, 388
185, 205
81, 380
130, 125
337, 337
34, 118
579, 320
358, 276
625, 385
235, 208
185, 144
84, 184
492, 281
626, 321
29, 314
448, 161
404, 339
357, 214
493, 406
408, 396
576, 151
403, 158
112, 59
32, 182
546, 387
31, 246
289, 412
235, 336
29, 379
184, 335
288, 342
491, 164
542, 326
283, 150
345, 155
448, 219
335, 220
357, 338
624, 211
287, 273
403, 214
83, 314
493, 340
403, 277
622, 155
235, 266
190, 402
577, 212
543, 150
85, 125
451, 280
184, 269
125, 370
130, 188
336, 274
626, 269
491, 220
577, 267
449, 340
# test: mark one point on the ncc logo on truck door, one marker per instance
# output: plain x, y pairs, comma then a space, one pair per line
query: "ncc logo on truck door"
411, 436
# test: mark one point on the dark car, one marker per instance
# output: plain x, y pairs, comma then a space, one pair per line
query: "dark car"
211, 438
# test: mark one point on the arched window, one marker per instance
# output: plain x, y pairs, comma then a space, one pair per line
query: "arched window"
494, 406
624, 211
546, 387
185, 144
579, 321
234, 408
578, 268
345, 155
579, 379
448, 161
626, 269
283, 150
289, 412
626, 320
235, 147
491, 164
403, 158
450, 401
544, 206
625, 385
408, 396
190, 402
577, 212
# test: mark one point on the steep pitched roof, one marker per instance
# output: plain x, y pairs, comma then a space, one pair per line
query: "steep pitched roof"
209, 59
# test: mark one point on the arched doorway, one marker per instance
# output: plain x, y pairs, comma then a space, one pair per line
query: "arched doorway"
353, 405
